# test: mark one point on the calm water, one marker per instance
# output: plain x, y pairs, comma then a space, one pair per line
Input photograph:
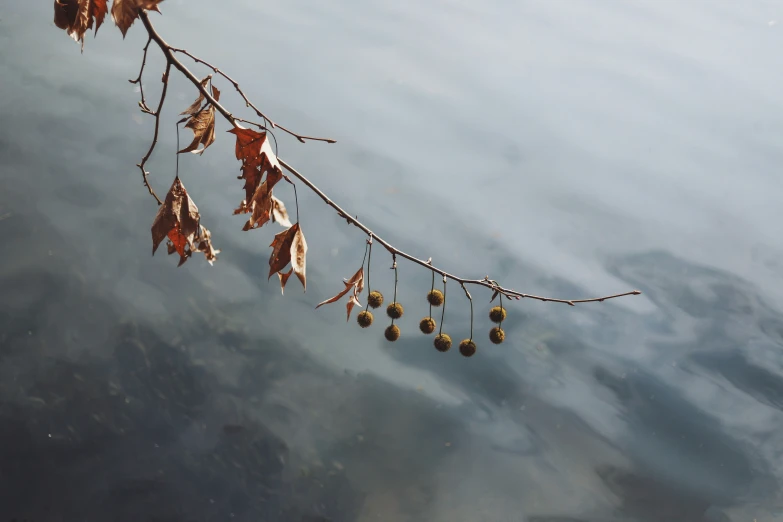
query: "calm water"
566, 148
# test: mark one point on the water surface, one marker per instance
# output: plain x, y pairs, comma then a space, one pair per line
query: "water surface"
566, 148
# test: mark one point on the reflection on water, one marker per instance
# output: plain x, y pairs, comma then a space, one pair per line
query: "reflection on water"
131, 390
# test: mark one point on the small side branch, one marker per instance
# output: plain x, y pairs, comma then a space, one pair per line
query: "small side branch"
137, 81
144, 173
249, 103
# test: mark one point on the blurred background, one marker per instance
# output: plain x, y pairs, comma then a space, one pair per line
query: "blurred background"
570, 149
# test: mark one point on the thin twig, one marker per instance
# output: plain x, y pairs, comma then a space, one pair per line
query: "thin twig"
143, 103
168, 51
144, 173
248, 103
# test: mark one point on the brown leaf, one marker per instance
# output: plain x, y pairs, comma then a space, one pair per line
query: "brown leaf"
203, 126
299, 256
257, 157
76, 17
284, 279
279, 213
196, 105
65, 13
98, 10
336, 297
260, 206
355, 283
125, 12
178, 219
205, 245
350, 304
281, 249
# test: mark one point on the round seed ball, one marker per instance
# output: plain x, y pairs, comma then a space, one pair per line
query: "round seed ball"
392, 333
497, 335
497, 314
467, 348
427, 325
394, 310
442, 342
375, 299
435, 297
364, 318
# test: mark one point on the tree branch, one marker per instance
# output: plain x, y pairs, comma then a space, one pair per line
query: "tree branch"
143, 103
172, 60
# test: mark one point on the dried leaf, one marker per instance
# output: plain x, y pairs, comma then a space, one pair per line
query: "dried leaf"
203, 126
205, 245
125, 12
98, 10
178, 219
196, 105
76, 17
279, 213
350, 304
299, 256
281, 249
355, 283
260, 206
284, 279
257, 157
337, 297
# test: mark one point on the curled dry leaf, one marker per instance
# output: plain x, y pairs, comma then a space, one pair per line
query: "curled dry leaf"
279, 213
355, 283
202, 123
284, 279
299, 257
257, 157
125, 12
204, 245
289, 246
76, 17
350, 304
179, 220
196, 105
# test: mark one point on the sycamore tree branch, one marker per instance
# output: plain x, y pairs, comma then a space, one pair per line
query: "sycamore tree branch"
170, 53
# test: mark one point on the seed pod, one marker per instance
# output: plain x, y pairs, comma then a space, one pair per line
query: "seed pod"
427, 325
392, 333
435, 297
497, 335
442, 342
497, 314
375, 299
364, 318
467, 348
394, 310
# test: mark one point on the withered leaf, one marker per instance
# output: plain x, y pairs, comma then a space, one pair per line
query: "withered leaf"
289, 246
260, 206
196, 105
299, 257
281, 249
125, 12
350, 304
257, 157
76, 17
284, 279
279, 213
336, 297
355, 283
178, 219
203, 126
204, 245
